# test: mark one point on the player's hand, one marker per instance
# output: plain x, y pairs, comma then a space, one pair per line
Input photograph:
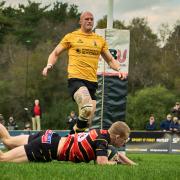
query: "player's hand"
122, 76
134, 164
45, 70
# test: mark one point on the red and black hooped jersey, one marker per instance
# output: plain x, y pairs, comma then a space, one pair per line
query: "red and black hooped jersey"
84, 147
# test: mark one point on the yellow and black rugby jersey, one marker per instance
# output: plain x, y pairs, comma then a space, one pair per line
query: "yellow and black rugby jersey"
84, 51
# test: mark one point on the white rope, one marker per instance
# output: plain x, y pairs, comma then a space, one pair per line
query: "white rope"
102, 98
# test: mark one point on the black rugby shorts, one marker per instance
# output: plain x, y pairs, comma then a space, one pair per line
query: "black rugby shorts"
74, 84
42, 147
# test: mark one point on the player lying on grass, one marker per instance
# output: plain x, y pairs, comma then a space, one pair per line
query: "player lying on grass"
82, 147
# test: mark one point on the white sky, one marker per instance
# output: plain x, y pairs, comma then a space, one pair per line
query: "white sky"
155, 11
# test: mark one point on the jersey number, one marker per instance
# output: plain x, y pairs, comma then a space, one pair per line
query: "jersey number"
82, 136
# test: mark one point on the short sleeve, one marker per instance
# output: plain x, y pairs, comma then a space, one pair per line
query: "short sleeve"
105, 45
102, 146
65, 42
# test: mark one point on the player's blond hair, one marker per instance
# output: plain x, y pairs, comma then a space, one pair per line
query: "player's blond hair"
119, 128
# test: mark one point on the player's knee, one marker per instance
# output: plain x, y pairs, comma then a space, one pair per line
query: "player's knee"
86, 111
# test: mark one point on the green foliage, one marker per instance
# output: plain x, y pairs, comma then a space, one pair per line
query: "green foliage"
156, 100
5, 23
56, 118
73, 11
144, 56
102, 23
4, 87
59, 12
27, 23
171, 59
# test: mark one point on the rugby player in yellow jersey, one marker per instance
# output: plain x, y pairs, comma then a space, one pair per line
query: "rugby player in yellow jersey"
84, 48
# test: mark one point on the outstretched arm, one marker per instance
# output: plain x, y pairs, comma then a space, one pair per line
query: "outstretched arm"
102, 160
124, 159
113, 63
53, 58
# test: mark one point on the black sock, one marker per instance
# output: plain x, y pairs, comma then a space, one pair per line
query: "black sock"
81, 124
72, 131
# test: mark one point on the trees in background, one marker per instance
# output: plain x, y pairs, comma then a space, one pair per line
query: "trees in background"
171, 60
155, 100
144, 55
29, 33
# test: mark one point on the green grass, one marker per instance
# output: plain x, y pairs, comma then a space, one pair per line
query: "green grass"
150, 167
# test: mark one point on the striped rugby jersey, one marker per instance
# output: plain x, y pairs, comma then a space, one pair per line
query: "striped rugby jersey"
84, 147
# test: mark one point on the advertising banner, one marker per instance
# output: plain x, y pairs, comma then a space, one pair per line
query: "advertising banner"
175, 143
118, 41
153, 142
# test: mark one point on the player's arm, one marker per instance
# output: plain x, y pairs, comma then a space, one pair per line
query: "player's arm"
123, 159
53, 58
102, 160
113, 63
102, 151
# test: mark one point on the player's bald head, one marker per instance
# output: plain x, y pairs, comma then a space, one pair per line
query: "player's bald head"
84, 14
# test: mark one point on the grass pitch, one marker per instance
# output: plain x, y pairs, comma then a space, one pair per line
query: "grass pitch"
150, 167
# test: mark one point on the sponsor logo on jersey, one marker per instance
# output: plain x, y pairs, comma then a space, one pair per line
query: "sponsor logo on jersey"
79, 41
87, 51
46, 138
